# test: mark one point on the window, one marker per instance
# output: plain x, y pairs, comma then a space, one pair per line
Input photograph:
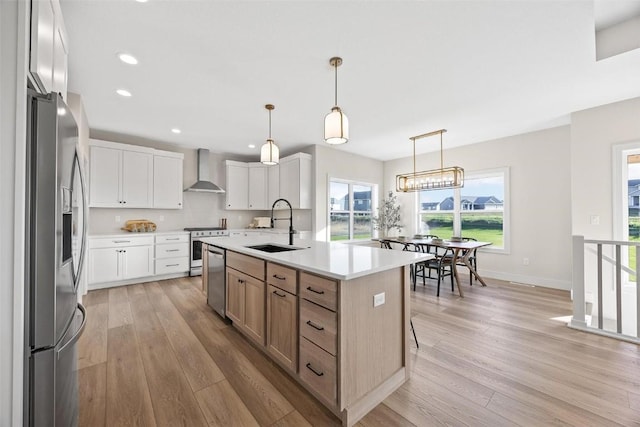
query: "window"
478, 210
350, 210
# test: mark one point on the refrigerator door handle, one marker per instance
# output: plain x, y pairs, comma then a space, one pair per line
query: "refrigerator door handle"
84, 222
78, 332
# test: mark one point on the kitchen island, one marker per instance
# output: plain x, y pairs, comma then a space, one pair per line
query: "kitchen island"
335, 316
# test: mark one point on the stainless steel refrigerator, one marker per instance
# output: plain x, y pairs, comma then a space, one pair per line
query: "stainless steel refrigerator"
56, 235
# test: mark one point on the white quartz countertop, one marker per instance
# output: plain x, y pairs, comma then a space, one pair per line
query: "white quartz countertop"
336, 260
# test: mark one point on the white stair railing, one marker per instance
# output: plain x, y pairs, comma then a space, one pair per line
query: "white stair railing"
580, 319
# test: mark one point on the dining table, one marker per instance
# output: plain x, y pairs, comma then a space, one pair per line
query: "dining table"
462, 250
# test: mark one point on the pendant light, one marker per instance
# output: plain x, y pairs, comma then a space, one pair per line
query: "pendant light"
436, 179
269, 153
336, 124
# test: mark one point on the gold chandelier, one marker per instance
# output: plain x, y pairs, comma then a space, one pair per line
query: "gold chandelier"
436, 179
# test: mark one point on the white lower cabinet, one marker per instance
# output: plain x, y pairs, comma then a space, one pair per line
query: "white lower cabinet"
113, 259
121, 258
172, 253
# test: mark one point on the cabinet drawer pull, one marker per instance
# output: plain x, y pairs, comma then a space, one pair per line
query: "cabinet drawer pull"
172, 265
279, 277
172, 250
122, 241
279, 294
172, 238
313, 370
314, 326
309, 288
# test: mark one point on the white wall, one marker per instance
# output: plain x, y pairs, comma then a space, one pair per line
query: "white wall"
13, 85
593, 132
540, 202
199, 209
333, 163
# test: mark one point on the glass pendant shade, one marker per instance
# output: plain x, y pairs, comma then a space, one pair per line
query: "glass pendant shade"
270, 153
336, 127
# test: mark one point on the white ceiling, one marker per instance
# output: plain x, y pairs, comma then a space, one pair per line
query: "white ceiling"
482, 69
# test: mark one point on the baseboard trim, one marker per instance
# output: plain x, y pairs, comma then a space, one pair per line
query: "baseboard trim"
527, 280
94, 286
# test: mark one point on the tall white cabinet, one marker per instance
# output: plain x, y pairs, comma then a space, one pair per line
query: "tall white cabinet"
129, 176
49, 47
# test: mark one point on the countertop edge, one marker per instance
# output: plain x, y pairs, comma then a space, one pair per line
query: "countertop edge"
409, 257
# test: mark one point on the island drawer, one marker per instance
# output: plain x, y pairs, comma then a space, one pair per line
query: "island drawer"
318, 370
318, 325
282, 277
320, 290
246, 264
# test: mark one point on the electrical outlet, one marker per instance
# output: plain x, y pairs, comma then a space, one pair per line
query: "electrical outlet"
161, 218
378, 299
525, 261
117, 218
595, 219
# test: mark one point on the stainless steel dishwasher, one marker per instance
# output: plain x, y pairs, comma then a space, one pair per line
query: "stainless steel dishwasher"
216, 282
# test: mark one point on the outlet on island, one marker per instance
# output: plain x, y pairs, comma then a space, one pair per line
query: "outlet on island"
378, 299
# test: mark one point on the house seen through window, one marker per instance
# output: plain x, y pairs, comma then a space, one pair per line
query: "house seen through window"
476, 211
350, 210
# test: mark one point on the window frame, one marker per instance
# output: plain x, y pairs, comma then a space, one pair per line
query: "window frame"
457, 212
374, 202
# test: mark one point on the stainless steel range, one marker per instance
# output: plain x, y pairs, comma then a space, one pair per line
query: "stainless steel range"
198, 233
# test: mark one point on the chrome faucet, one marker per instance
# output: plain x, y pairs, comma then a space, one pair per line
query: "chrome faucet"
291, 232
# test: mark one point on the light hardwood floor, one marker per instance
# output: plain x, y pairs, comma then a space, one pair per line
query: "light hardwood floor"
156, 354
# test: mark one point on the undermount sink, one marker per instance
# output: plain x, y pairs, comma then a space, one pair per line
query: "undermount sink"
273, 248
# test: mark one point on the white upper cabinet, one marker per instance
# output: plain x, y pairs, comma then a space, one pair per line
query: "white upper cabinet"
104, 177
167, 181
255, 186
49, 47
258, 186
295, 180
122, 176
274, 185
237, 193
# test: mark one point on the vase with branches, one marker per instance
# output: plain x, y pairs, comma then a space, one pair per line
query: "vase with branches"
388, 216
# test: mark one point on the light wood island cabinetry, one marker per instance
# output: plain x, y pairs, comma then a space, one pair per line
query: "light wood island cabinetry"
344, 339
246, 295
282, 315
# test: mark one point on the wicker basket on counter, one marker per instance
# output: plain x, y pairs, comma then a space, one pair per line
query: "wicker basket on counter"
139, 225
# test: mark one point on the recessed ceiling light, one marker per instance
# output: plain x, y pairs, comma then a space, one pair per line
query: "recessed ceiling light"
127, 59
252, 146
141, 1
176, 130
123, 92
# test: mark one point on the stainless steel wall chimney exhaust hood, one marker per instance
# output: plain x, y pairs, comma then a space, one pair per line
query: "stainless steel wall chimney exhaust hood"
204, 184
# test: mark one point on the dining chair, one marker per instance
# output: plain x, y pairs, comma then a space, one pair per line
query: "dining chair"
442, 264
473, 259
414, 333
